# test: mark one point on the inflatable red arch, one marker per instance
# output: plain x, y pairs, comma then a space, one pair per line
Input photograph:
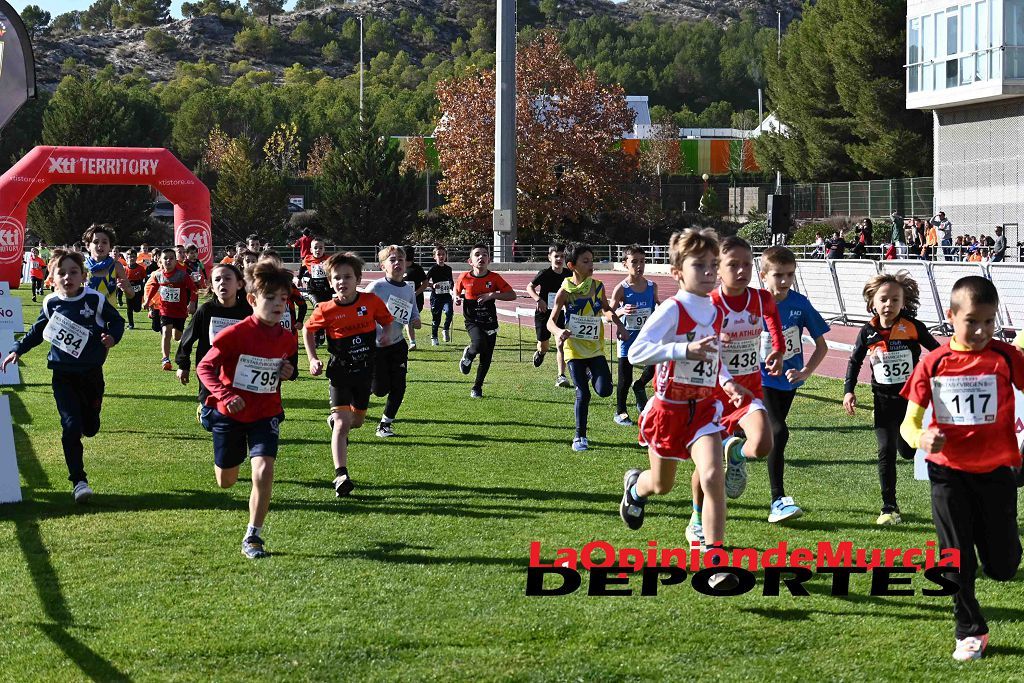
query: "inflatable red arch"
46, 166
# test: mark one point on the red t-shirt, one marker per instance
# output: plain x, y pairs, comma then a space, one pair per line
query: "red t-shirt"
303, 243
171, 292
973, 403
38, 266
243, 361
744, 318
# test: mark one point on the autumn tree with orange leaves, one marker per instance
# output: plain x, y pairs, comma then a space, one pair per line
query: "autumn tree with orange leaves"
568, 125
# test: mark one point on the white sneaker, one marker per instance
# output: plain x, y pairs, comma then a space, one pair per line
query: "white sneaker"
735, 467
82, 492
433, 341
971, 647
412, 346
695, 533
446, 336
724, 581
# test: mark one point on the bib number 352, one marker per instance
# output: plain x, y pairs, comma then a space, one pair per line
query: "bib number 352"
965, 400
257, 374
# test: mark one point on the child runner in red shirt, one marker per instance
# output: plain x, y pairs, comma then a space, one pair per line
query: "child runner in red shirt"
971, 448
173, 294
243, 372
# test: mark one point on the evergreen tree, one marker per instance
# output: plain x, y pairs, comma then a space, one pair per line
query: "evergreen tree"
99, 16
128, 13
364, 194
267, 8
248, 196
34, 18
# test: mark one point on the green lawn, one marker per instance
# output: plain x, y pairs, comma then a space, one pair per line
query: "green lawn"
421, 573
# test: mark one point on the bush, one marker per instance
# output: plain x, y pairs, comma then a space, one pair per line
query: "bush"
332, 52
755, 231
309, 32
240, 68
259, 40
160, 42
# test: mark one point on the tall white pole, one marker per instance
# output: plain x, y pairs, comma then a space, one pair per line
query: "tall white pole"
504, 216
360, 69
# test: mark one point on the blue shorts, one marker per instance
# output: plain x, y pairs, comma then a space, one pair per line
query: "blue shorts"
233, 440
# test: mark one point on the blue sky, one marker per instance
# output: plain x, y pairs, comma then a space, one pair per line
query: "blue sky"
55, 7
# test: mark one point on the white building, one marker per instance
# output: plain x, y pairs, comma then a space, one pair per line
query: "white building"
965, 64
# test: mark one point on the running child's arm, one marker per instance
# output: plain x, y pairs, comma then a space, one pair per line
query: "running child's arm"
612, 316
459, 289
151, 289
860, 350
561, 334
208, 372
316, 323
113, 324
924, 337
533, 290
32, 339
650, 346
122, 280
618, 294
655, 290
193, 295
918, 392
773, 361
795, 376
300, 310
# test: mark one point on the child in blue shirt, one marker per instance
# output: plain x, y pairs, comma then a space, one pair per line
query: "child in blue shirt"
778, 271
80, 325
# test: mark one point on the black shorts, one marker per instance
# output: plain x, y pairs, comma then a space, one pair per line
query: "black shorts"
176, 323
540, 324
351, 390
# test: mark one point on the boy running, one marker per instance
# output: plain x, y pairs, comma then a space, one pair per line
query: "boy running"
81, 326
391, 363
105, 274
172, 293
479, 288
440, 279
778, 271
195, 268
243, 372
543, 289
350, 321
313, 273
37, 268
415, 274
585, 307
136, 274
635, 298
681, 422
971, 449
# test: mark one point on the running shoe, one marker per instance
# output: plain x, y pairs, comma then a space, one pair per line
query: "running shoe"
735, 467
695, 533
724, 581
580, 444
971, 647
889, 518
631, 510
343, 485
166, 363
82, 492
252, 548
623, 419
433, 341
475, 393
563, 382
446, 335
466, 364
130, 326
384, 431
412, 346
784, 508
538, 358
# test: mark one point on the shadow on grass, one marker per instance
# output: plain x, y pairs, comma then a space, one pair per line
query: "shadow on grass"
44, 576
177, 398
398, 553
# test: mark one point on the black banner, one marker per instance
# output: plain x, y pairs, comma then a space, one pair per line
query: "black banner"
17, 67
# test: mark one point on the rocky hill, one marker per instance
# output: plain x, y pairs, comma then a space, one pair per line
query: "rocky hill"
211, 38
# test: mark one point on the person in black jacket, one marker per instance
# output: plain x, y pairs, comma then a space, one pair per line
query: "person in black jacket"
81, 326
892, 343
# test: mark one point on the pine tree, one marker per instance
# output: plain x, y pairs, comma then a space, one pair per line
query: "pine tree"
248, 196
364, 194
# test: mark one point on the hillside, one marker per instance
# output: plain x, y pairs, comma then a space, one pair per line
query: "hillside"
211, 38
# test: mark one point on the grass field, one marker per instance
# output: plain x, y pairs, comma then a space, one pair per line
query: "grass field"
421, 574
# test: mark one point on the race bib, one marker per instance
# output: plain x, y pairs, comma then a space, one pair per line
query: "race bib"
286, 320
400, 308
635, 320
741, 356
171, 295
197, 276
965, 400
892, 367
551, 299
257, 374
442, 287
66, 335
586, 327
219, 324
317, 271
699, 373
791, 335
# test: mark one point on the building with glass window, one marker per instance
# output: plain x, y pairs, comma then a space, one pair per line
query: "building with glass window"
965, 63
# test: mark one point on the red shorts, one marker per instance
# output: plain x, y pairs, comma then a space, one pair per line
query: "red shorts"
731, 420
668, 432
